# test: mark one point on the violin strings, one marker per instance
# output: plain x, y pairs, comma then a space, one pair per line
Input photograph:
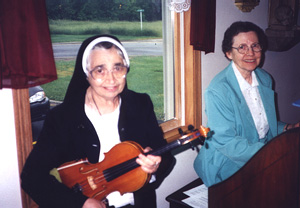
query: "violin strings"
130, 164
84, 185
125, 166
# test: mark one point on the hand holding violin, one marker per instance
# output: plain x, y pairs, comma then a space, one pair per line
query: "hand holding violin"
149, 163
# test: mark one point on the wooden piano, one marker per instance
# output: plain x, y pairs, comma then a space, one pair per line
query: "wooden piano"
270, 179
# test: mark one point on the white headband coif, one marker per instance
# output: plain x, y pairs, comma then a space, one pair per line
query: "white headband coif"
95, 42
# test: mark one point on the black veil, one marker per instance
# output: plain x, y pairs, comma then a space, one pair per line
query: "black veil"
79, 84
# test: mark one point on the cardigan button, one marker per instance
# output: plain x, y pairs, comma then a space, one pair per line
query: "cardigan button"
81, 126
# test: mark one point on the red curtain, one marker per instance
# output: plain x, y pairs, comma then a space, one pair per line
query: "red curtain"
203, 24
26, 54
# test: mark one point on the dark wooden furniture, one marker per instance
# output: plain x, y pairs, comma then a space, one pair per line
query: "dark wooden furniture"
270, 179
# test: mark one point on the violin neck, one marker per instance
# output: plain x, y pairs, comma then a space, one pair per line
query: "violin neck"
174, 144
122, 168
165, 148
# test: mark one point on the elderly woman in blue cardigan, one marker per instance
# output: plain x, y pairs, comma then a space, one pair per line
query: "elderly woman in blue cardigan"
239, 105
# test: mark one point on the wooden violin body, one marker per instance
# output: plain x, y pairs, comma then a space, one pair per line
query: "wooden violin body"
97, 180
118, 171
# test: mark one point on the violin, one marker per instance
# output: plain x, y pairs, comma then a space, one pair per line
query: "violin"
119, 170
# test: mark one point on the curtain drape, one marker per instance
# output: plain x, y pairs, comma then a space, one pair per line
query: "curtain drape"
203, 23
26, 54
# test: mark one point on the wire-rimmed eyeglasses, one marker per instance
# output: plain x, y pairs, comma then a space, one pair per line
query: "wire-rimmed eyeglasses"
243, 48
100, 72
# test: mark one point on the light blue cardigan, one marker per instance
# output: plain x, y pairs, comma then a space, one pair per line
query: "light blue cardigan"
235, 139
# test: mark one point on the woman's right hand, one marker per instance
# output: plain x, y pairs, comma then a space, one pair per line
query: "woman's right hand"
296, 125
93, 203
291, 126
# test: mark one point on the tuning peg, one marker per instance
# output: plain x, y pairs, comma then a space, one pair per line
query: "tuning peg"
191, 127
180, 131
194, 147
202, 140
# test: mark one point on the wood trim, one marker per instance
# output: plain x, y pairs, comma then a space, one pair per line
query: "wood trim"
192, 82
177, 68
193, 94
23, 134
176, 122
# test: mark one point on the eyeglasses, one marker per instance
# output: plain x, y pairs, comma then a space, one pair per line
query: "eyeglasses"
243, 48
99, 73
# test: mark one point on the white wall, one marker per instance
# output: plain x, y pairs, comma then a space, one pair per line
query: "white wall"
182, 174
10, 195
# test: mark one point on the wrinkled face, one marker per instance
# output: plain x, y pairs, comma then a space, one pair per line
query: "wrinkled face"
110, 86
249, 61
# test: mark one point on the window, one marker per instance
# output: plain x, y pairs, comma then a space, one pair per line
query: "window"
180, 102
186, 78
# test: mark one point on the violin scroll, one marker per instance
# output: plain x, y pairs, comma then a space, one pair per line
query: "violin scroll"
193, 134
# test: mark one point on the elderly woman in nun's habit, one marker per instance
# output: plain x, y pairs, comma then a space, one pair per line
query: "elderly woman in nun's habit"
98, 112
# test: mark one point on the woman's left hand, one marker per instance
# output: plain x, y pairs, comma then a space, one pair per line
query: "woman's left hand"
149, 163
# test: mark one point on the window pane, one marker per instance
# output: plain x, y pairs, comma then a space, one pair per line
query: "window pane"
144, 27
168, 61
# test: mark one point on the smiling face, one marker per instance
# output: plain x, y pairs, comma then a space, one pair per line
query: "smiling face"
110, 87
246, 63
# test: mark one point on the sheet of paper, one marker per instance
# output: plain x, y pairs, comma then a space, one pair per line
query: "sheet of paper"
198, 197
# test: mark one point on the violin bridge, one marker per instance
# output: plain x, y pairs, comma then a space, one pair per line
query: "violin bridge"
91, 182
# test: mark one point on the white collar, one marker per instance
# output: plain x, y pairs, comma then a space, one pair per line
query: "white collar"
244, 85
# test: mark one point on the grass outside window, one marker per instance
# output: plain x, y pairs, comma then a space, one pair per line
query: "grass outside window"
146, 72
145, 76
